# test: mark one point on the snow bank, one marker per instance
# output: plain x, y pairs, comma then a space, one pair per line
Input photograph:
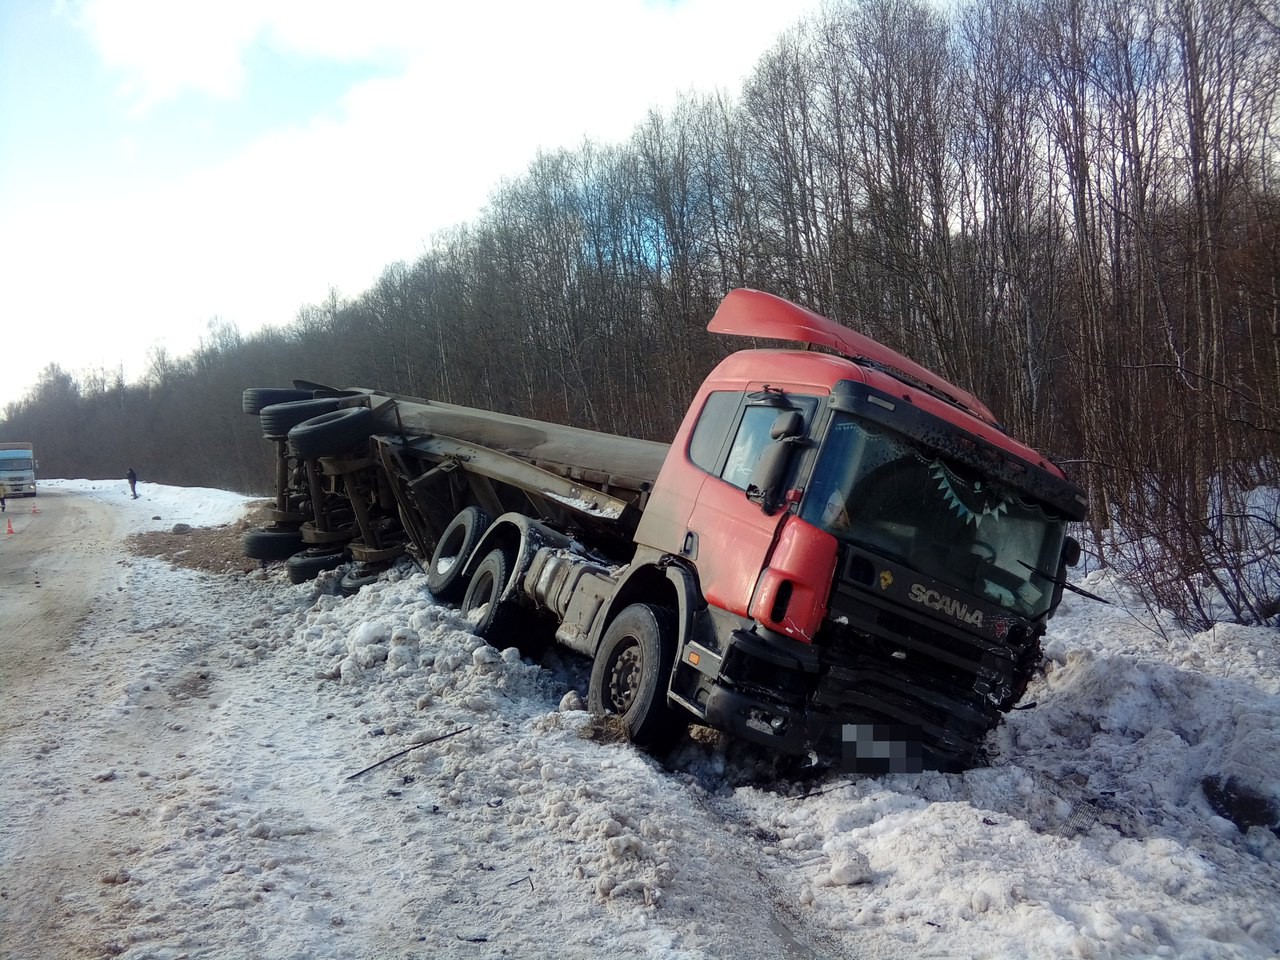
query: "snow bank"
159, 506
527, 832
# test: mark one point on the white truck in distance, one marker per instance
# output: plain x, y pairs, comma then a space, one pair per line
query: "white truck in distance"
18, 469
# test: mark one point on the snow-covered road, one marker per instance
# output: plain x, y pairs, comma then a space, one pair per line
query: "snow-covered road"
176, 783
57, 554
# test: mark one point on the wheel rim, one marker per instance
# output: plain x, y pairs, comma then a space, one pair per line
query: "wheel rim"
447, 555
623, 678
484, 593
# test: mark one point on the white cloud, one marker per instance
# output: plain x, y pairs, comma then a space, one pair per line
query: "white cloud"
163, 49
466, 93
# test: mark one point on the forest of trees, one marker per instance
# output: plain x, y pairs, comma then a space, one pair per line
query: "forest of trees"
1070, 207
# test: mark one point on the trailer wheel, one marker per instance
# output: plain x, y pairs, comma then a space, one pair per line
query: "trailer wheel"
255, 398
445, 578
630, 671
331, 433
482, 604
310, 563
279, 418
264, 543
353, 581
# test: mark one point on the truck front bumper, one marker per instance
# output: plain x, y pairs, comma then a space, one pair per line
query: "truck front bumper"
788, 697
780, 727
762, 693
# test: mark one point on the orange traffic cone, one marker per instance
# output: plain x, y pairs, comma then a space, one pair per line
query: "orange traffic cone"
9, 523
33, 509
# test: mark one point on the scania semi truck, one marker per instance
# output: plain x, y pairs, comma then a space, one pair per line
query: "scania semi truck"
838, 546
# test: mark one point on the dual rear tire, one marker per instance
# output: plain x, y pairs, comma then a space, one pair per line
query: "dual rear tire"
490, 616
256, 398
445, 572
332, 433
278, 419
632, 664
480, 595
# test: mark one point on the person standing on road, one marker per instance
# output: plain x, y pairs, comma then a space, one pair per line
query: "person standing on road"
3, 491
133, 482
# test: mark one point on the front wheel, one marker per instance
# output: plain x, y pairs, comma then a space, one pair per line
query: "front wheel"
630, 673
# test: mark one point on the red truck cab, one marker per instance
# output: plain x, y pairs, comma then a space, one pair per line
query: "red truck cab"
871, 547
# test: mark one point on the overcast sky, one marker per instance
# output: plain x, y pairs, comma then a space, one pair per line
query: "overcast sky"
167, 162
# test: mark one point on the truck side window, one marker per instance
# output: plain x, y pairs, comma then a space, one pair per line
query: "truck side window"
749, 444
713, 427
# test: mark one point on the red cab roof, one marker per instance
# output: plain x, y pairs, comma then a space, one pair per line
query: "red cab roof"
753, 313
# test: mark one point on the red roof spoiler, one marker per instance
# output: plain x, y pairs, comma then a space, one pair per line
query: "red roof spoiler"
753, 313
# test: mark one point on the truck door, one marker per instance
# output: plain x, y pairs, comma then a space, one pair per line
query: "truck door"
729, 536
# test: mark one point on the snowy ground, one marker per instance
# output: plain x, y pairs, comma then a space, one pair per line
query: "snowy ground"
237, 828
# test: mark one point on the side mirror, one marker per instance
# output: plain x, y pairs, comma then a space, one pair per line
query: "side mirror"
771, 469
1071, 551
766, 478
787, 426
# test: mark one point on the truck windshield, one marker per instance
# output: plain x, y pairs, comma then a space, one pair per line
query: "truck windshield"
15, 464
897, 498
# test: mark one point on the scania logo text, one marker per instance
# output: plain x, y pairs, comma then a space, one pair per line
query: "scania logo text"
949, 605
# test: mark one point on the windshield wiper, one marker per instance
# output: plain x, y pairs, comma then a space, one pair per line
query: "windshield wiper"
1072, 587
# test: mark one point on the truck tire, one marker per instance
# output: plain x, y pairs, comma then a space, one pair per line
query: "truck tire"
255, 398
630, 673
310, 563
279, 418
264, 543
445, 578
353, 581
332, 433
490, 617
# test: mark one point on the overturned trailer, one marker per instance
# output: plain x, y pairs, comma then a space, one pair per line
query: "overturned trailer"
840, 552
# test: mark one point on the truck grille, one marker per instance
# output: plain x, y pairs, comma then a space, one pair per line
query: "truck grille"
883, 667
